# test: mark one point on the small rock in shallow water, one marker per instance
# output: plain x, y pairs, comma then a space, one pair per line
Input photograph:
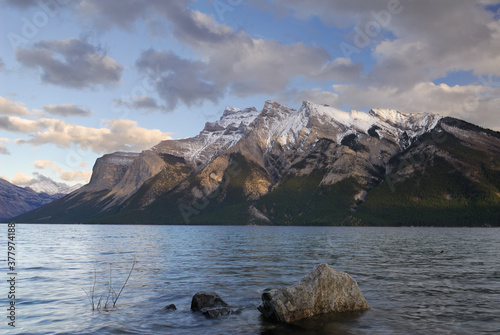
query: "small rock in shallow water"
170, 307
206, 299
322, 291
210, 304
213, 313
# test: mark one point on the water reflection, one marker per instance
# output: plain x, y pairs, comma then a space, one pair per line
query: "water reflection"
417, 280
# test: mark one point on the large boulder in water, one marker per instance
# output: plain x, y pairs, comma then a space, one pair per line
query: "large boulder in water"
322, 291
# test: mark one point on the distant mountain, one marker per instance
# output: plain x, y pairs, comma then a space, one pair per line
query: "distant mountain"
44, 184
15, 200
314, 166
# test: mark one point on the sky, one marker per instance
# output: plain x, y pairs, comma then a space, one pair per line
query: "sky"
82, 78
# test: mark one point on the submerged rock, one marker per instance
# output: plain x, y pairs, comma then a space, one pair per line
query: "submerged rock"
210, 304
213, 313
322, 291
204, 299
170, 307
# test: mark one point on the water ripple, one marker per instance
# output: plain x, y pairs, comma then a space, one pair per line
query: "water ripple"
418, 281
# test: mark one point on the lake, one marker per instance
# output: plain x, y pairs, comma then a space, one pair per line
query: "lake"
417, 280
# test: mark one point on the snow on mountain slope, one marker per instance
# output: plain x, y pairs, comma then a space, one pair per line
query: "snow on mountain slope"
216, 137
46, 185
387, 123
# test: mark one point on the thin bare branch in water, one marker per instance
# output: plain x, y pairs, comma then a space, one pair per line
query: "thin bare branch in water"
119, 293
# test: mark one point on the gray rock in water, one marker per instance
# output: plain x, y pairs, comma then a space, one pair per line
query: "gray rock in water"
204, 299
170, 307
213, 313
322, 291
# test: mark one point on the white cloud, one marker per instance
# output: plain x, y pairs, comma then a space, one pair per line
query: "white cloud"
17, 124
9, 107
73, 176
477, 104
117, 135
20, 178
42, 164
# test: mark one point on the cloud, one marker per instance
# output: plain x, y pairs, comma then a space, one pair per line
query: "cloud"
117, 135
241, 67
71, 63
20, 178
66, 110
316, 95
70, 176
177, 79
227, 61
477, 104
140, 103
2, 65
3, 149
41, 164
9, 107
17, 124
427, 40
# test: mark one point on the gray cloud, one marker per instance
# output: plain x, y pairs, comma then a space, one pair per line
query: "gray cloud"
233, 61
82, 65
429, 38
66, 110
240, 66
316, 95
140, 103
2, 65
177, 79
3, 149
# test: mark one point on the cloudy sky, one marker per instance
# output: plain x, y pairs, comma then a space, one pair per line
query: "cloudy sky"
81, 78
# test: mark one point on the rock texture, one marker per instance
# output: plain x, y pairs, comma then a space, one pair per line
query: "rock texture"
210, 304
322, 291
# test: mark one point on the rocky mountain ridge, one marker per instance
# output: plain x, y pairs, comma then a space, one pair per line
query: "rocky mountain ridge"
16, 200
315, 165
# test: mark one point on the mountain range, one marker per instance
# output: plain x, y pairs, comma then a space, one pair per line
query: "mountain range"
18, 199
314, 166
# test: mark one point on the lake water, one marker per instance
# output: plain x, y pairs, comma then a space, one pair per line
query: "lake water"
417, 280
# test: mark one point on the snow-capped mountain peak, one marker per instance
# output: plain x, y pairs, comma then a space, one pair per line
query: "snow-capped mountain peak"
216, 137
46, 185
235, 117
